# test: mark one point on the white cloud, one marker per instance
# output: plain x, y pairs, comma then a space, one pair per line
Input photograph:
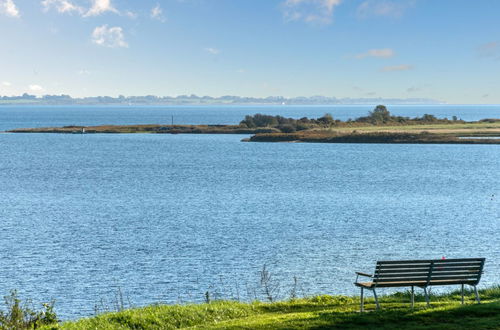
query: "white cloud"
382, 53
391, 8
100, 7
310, 11
6, 84
402, 67
109, 37
36, 88
8, 8
157, 13
62, 6
213, 51
83, 72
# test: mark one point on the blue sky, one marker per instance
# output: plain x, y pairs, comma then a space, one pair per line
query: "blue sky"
443, 49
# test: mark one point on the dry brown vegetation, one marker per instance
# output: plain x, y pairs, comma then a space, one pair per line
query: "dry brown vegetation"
328, 136
158, 129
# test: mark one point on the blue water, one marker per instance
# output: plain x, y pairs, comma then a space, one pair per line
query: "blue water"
168, 217
40, 116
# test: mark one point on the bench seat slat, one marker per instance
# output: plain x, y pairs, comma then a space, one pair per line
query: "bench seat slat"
401, 274
431, 260
422, 270
403, 266
457, 264
456, 272
405, 262
403, 270
437, 273
425, 275
440, 264
407, 279
413, 283
440, 278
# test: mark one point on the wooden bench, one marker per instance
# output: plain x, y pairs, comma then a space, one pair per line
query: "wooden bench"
422, 273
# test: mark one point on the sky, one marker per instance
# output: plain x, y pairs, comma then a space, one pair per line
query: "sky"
448, 50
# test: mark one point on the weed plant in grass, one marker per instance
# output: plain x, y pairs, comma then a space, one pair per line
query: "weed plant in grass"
22, 316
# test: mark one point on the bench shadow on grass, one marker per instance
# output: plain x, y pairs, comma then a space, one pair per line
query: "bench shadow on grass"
484, 316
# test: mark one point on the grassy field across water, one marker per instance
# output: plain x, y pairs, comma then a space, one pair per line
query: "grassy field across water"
321, 312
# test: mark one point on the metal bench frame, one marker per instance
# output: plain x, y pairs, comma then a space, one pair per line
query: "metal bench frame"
423, 274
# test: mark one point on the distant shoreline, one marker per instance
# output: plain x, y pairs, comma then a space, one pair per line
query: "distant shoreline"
27, 99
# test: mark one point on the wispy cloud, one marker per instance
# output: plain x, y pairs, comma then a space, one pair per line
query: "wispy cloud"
157, 13
62, 6
83, 72
490, 50
402, 67
100, 7
414, 89
381, 53
130, 14
389, 8
213, 51
310, 11
109, 37
6, 84
36, 88
9, 8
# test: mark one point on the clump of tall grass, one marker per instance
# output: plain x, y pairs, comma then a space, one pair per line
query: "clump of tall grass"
20, 315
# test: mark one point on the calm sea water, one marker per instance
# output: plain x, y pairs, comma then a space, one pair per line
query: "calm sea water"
168, 217
22, 116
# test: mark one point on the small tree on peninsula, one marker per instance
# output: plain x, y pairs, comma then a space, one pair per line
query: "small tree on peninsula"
380, 114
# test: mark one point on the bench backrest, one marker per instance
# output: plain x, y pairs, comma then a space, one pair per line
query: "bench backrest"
443, 271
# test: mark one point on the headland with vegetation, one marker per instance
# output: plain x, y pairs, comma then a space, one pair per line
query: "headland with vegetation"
379, 126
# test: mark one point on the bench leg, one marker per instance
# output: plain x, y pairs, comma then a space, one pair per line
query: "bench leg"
412, 297
362, 307
426, 296
462, 294
376, 299
477, 295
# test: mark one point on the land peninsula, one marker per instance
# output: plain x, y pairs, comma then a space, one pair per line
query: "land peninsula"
379, 126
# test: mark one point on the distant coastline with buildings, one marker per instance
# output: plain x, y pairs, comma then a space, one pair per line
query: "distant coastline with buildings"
201, 100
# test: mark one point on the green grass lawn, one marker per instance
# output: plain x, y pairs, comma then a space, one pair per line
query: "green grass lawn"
322, 312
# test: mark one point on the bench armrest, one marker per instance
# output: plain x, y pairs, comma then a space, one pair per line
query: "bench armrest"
358, 274
363, 274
